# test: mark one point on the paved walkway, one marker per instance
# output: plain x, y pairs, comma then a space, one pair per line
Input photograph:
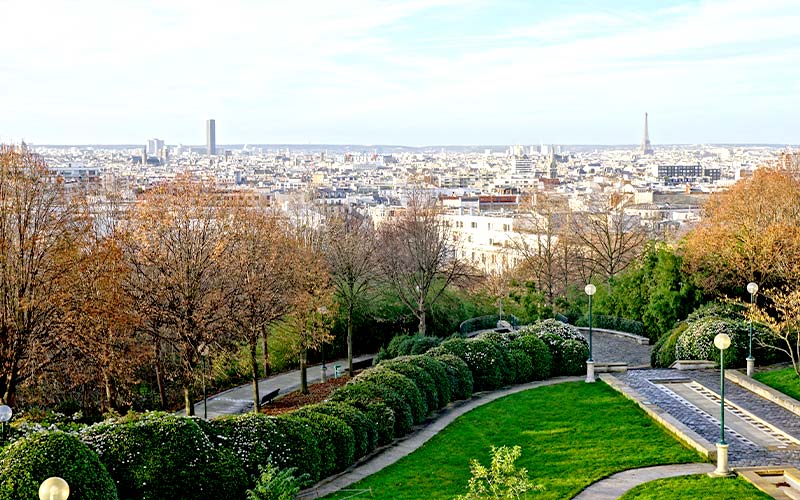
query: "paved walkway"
609, 348
408, 444
618, 484
240, 399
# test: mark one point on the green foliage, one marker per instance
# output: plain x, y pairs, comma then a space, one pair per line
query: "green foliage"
364, 432
483, 358
697, 341
276, 484
332, 436
382, 417
27, 462
527, 303
538, 352
403, 386
141, 450
406, 345
257, 440
663, 353
501, 480
458, 373
420, 377
523, 366
437, 369
696, 487
784, 380
568, 348
655, 292
362, 393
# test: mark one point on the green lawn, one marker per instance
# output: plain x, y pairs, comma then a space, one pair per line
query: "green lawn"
571, 435
784, 380
695, 488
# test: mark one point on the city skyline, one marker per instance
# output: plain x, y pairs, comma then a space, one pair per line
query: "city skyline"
415, 73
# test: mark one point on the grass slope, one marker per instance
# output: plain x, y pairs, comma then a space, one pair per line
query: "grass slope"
571, 434
695, 488
784, 380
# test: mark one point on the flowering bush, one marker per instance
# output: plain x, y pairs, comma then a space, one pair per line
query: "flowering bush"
483, 359
142, 451
552, 326
26, 462
364, 432
539, 355
569, 355
697, 341
458, 373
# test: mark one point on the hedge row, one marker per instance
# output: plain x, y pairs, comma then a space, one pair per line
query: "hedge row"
157, 455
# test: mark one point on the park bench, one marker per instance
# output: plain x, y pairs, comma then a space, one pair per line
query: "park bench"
269, 397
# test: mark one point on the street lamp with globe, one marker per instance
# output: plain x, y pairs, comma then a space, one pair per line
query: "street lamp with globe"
751, 361
590, 289
5, 416
722, 341
54, 488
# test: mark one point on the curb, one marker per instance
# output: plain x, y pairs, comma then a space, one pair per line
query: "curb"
764, 391
675, 427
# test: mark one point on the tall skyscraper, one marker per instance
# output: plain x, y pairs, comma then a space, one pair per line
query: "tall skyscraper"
154, 147
647, 149
211, 137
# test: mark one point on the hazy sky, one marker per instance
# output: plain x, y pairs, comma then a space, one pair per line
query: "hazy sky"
416, 72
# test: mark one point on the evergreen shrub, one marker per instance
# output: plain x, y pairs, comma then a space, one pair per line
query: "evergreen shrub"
538, 352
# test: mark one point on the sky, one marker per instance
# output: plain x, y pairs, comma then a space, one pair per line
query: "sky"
410, 72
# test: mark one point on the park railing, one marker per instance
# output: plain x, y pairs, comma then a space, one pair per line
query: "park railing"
487, 322
613, 323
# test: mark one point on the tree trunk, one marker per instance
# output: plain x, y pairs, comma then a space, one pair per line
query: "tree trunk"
162, 393
109, 391
350, 340
421, 316
267, 367
303, 372
187, 400
254, 365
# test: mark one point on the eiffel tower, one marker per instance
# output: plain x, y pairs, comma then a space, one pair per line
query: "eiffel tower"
647, 149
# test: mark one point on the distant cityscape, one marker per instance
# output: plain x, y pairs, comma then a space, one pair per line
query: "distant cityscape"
481, 188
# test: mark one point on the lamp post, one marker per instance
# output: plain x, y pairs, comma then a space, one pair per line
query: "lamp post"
5, 416
722, 342
203, 353
54, 488
751, 361
590, 289
322, 310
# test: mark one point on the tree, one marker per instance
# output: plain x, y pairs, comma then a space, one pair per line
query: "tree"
351, 252
180, 247
611, 239
262, 280
749, 233
41, 226
782, 317
418, 258
501, 480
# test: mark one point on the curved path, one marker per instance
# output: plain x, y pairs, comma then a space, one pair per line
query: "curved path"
617, 484
397, 450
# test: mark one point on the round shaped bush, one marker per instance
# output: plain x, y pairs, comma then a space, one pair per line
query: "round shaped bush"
334, 439
552, 326
538, 352
382, 417
157, 455
438, 372
24, 464
364, 432
257, 439
523, 368
399, 345
402, 385
663, 353
458, 374
361, 393
483, 359
422, 344
573, 357
420, 377
697, 341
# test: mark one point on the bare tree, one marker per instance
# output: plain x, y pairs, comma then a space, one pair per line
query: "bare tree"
351, 252
41, 227
262, 280
418, 259
611, 240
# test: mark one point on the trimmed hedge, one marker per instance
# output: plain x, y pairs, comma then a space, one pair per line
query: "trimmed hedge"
523, 367
407, 345
365, 433
333, 437
361, 393
382, 417
538, 352
458, 373
257, 439
437, 369
483, 358
569, 355
401, 385
24, 464
141, 450
420, 377
697, 341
